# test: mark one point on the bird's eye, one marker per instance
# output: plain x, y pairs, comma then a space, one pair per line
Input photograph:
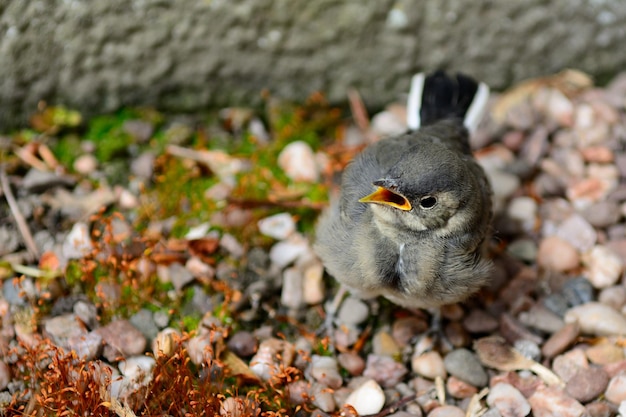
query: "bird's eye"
428, 202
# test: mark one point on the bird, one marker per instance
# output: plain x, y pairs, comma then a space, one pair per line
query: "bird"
413, 217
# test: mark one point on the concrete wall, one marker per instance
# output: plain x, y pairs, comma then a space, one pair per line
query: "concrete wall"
185, 55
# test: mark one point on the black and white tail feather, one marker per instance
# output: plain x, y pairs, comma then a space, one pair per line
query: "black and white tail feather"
438, 95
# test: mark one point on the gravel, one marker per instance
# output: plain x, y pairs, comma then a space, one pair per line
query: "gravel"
558, 170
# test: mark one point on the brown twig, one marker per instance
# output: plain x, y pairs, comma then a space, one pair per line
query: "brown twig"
17, 215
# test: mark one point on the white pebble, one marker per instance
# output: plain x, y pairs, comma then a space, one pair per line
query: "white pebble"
313, 285
292, 295
287, 251
232, 245
137, 368
352, 311
279, 226
578, 232
604, 267
508, 400
127, 200
85, 164
198, 232
524, 210
429, 365
597, 319
369, 398
298, 161
387, 123
325, 370
78, 242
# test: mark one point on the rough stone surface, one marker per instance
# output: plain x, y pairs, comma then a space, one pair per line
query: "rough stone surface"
190, 54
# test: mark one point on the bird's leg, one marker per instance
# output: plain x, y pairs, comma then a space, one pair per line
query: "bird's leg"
436, 330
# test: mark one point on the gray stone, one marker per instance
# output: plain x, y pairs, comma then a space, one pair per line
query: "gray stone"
464, 365
143, 320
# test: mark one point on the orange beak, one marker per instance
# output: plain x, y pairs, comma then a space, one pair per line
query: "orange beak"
389, 198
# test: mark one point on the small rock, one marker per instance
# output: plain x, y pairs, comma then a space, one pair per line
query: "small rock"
508, 400
61, 328
577, 291
353, 311
272, 353
87, 346
464, 365
587, 384
279, 226
298, 161
614, 296
384, 370
199, 269
322, 397
324, 370
287, 251
605, 353
405, 329
599, 153
535, 146
231, 245
569, 363
616, 390
561, 340
513, 330
384, 345
369, 398
85, 164
242, 344
578, 232
552, 401
460, 389
602, 214
351, 362
313, 285
126, 199
292, 293
387, 123
177, 274
447, 411
200, 348
604, 267
143, 166
523, 249
77, 244
429, 365
528, 349
137, 368
597, 319
600, 409
560, 108
479, 321
121, 339
542, 319
143, 320
298, 391
557, 254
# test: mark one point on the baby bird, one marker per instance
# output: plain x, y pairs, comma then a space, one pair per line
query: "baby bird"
414, 213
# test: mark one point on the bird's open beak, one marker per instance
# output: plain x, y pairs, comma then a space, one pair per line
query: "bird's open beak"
387, 197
